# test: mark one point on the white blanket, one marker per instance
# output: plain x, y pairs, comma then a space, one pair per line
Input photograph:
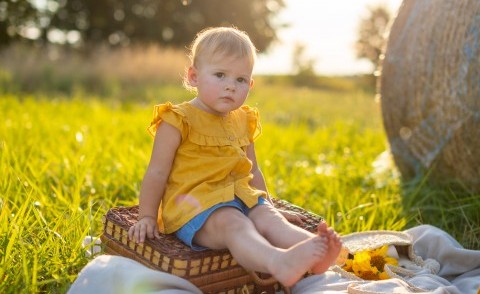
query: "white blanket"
459, 273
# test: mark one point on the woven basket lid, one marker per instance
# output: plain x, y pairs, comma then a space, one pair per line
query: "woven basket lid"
430, 91
374, 239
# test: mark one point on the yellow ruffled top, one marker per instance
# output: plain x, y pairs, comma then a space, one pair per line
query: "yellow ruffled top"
211, 164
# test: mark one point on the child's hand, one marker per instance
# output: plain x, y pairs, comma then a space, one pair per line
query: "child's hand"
293, 217
146, 226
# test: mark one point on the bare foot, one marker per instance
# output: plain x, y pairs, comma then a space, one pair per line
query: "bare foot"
292, 263
334, 247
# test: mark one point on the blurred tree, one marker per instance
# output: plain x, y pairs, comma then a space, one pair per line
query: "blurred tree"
18, 20
303, 66
372, 34
168, 22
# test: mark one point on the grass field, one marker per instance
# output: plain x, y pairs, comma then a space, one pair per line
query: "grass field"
65, 162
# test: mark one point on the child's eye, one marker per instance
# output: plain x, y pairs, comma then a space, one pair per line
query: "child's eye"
241, 80
219, 74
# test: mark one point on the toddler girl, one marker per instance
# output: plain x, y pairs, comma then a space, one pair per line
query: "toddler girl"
203, 182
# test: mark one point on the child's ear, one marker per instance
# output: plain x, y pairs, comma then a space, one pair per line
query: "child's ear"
251, 83
192, 76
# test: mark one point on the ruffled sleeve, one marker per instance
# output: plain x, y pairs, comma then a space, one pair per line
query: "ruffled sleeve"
169, 113
253, 122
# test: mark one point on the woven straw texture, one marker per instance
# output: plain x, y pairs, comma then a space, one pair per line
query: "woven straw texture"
213, 271
430, 90
369, 240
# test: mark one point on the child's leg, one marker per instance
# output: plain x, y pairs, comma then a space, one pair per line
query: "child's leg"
228, 227
281, 233
271, 224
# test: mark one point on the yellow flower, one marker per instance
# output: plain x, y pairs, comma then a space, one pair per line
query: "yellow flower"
383, 276
370, 264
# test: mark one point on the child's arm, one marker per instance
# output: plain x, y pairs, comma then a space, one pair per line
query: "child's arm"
258, 182
167, 140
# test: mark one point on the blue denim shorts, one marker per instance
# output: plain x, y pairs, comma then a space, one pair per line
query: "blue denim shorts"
188, 231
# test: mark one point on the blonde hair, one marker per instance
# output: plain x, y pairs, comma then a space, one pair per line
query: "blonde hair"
220, 41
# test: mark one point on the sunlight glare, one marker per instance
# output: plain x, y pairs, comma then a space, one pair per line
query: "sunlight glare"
327, 29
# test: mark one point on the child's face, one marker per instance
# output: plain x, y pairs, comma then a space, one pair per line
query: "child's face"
222, 83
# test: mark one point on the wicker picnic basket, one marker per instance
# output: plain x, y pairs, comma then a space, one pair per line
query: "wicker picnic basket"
213, 271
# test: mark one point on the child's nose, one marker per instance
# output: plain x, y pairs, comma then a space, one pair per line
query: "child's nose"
230, 85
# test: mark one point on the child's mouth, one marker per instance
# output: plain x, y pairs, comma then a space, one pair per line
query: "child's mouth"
227, 98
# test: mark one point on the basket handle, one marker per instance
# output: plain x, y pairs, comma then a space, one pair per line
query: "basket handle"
270, 281
261, 281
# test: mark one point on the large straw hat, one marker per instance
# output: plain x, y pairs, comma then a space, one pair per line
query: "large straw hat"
430, 90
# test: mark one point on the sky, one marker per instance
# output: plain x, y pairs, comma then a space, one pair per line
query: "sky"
328, 29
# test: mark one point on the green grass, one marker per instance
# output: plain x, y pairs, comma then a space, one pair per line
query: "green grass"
65, 162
